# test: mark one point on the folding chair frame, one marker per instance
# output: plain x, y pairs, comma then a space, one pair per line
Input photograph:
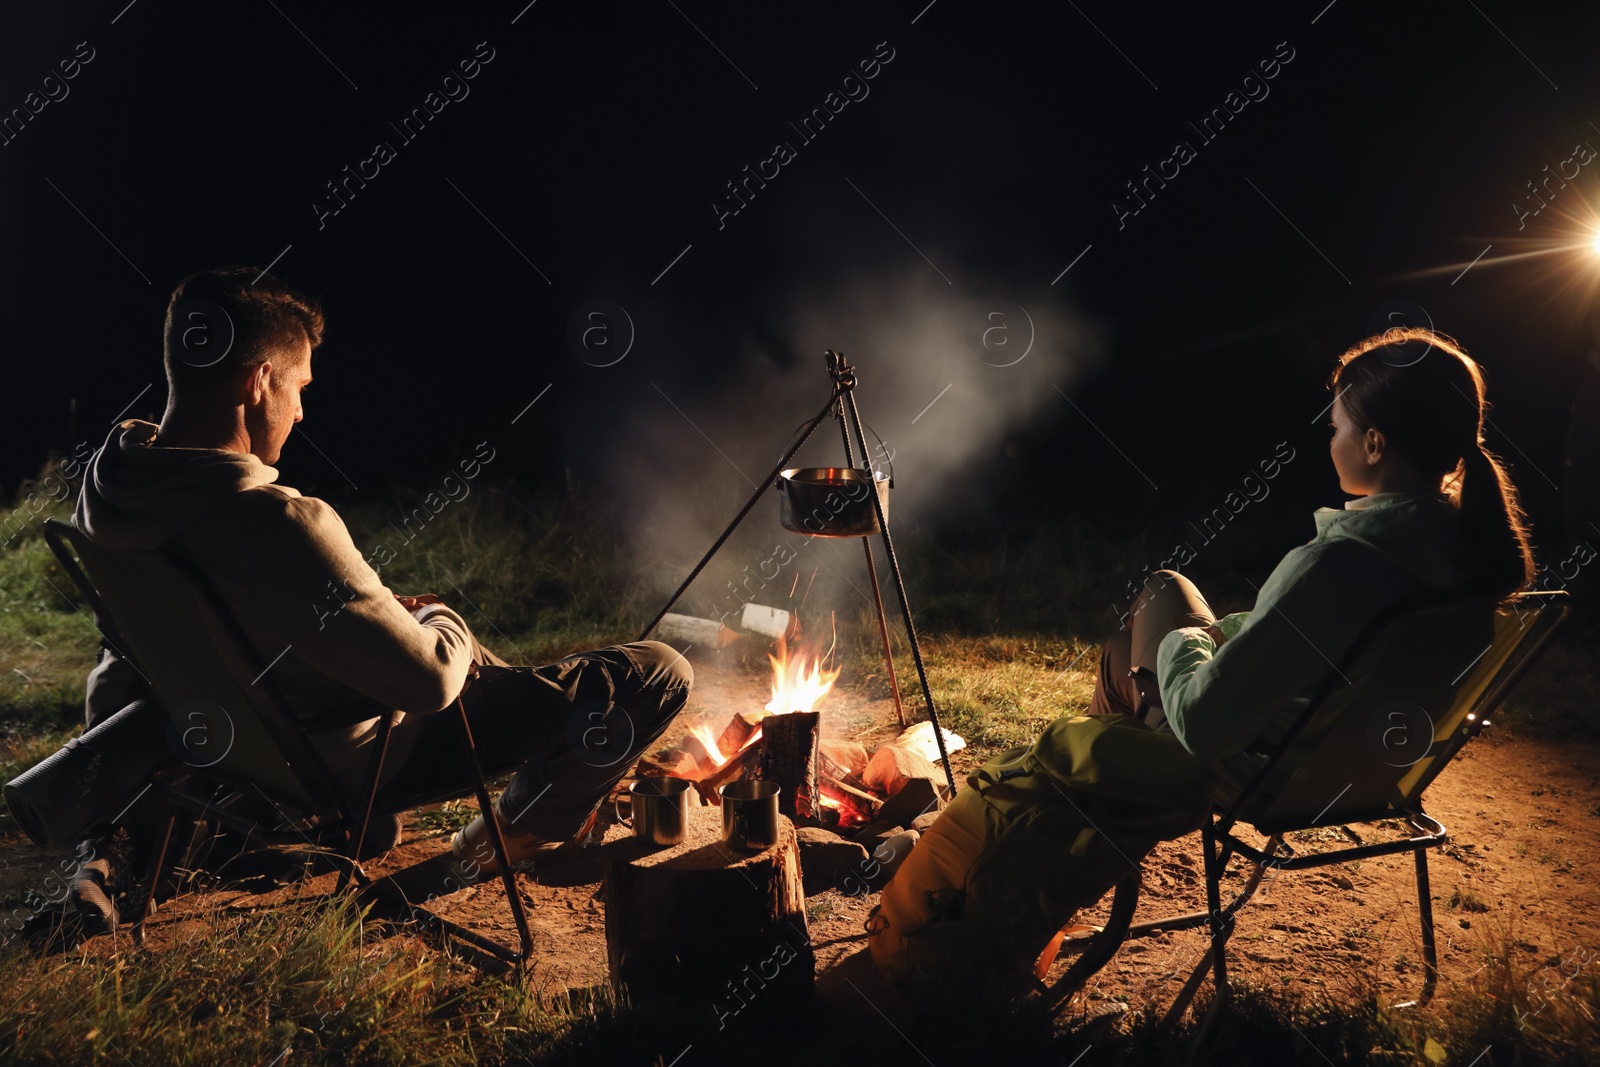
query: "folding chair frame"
1219, 843
308, 767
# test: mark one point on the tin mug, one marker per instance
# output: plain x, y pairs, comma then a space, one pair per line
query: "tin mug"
658, 810
749, 814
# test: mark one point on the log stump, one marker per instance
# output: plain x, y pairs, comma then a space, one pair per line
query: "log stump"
789, 757
706, 932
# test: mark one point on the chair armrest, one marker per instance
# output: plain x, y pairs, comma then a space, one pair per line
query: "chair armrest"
341, 718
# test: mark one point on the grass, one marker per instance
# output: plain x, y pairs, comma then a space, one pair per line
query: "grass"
1010, 624
312, 984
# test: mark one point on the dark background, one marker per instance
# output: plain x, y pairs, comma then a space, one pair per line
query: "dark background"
1191, 341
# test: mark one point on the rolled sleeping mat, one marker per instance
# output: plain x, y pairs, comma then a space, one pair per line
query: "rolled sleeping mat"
93, 777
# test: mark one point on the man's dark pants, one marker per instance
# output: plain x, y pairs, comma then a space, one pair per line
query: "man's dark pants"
570, 730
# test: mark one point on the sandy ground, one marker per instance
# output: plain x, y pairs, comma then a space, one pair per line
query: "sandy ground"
1524, 837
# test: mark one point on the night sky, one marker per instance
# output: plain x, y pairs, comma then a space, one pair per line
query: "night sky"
961, 191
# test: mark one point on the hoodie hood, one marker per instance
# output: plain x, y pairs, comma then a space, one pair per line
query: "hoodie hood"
1421, 533
138, 495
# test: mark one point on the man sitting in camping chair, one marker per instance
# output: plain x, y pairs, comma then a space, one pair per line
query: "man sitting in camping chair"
200, 486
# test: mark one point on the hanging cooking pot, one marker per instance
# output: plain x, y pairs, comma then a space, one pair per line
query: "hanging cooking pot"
832, 501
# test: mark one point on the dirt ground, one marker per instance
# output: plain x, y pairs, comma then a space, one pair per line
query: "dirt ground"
1525, 836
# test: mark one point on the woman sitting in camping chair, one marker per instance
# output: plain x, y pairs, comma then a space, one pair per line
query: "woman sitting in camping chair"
1012, 858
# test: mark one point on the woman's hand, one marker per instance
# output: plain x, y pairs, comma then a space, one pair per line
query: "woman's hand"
1217, 636
412, 603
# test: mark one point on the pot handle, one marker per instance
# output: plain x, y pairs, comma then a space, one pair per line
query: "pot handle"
803, 428
887, 457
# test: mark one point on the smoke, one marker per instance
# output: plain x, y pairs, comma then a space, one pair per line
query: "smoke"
946, 378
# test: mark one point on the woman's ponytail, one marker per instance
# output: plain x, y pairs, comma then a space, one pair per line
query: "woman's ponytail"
1492, 517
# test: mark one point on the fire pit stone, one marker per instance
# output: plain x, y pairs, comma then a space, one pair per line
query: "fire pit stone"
916, 798
674, 763
825, 858
887, 858
876, 833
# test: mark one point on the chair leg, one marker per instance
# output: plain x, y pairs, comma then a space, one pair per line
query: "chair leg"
1430, 951
155, 871
369, 796
1219, 923
1102, 947
492, 824
1220, 926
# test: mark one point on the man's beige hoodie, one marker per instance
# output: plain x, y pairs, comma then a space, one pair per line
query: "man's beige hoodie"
283, 563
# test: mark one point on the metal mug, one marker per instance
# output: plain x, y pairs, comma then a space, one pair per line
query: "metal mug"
659, 810
749, 814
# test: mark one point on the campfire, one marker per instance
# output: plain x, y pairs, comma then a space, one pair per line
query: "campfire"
830, 783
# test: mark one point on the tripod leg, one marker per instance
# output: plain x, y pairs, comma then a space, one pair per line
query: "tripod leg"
872, 567
905, 608
737, 519
883, 632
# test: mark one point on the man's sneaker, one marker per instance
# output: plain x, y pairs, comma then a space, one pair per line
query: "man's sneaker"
472, 854
91, 895
88, 908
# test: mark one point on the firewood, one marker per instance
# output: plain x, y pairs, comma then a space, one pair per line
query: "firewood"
891, 768
789, 757
825, 858
864, 800
743, 765
919, 739
844, 760
737, 733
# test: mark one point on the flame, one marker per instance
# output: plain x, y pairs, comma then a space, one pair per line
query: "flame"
798, 682
703, 734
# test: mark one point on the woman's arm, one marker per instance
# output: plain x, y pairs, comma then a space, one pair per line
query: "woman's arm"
1309, 612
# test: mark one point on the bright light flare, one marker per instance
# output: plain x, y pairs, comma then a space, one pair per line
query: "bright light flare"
1595, 243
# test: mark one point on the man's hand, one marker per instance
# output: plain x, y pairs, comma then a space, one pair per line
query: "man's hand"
412, 603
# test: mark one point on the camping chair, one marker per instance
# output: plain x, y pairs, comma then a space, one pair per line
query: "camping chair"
159, 613
1444, 664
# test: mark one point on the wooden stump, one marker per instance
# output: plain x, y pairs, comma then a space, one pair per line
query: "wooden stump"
705, 931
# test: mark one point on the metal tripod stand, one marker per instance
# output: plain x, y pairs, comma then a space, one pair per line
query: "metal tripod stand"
842, 406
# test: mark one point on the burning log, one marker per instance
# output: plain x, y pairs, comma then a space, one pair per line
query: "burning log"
705, 930
744, 765
843, 760
865, 803
789, 757
739, 731
696, 742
